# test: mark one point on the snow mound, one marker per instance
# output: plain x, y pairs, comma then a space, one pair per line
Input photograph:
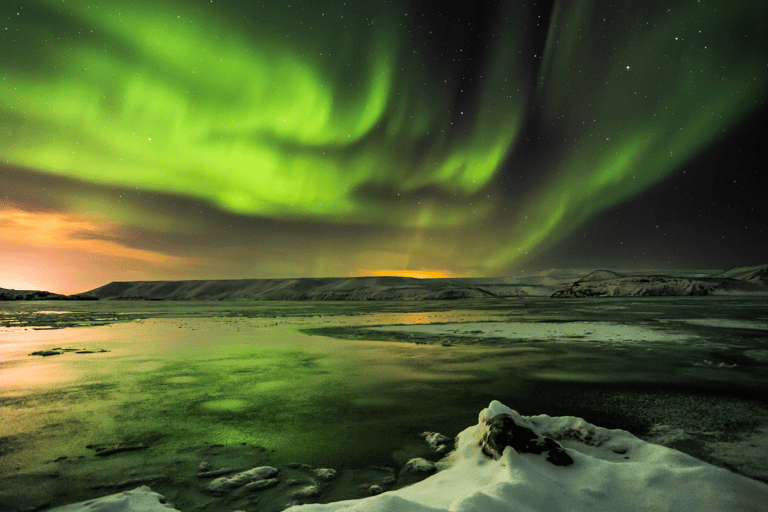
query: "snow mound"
141, 499
612, 470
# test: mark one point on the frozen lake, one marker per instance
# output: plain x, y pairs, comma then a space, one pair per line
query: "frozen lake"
349, 385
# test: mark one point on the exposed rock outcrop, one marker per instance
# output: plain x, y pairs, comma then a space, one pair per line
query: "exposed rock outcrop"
504, 431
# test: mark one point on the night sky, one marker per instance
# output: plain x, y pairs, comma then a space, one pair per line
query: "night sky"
212, 139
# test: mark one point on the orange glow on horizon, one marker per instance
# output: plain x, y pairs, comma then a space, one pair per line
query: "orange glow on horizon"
69, 253
71, 232
418, 274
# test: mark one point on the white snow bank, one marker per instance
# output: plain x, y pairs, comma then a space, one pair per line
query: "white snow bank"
141, 499
612, 471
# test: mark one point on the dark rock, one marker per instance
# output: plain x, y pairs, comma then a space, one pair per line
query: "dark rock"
105, 450
296, 465
214, 473
503, 431
140, 480
45, 353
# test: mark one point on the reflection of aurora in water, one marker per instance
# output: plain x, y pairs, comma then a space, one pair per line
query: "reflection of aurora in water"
195, 374
367, 114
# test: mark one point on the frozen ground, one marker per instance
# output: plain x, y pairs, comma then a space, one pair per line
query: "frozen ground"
242, 384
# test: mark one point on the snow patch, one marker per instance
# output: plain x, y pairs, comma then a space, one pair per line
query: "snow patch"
141, 499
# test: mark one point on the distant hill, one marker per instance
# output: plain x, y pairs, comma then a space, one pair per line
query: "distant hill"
601, 275
758, 273
6, 294
342, 288
555, 283
604, 283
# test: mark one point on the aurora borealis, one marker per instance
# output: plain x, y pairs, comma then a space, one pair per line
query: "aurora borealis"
217, 139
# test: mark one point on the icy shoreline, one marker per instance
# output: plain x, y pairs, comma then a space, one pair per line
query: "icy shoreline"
609, 470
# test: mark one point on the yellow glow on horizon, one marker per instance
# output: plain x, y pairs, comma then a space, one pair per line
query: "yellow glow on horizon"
418, 274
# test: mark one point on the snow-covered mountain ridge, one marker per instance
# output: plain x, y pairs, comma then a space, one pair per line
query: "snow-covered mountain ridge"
554, 283
605, 283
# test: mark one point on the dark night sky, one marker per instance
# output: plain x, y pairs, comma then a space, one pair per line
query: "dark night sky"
220, 139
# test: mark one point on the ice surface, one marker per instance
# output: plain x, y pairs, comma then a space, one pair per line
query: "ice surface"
612, 471
548, 331
729, 323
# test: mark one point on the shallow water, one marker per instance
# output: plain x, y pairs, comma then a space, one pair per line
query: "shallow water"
324, 384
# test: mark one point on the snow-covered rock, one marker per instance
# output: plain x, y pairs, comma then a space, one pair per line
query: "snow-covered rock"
226, 483
419, 465
325, 474
141, 499
612, 471
436, 441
